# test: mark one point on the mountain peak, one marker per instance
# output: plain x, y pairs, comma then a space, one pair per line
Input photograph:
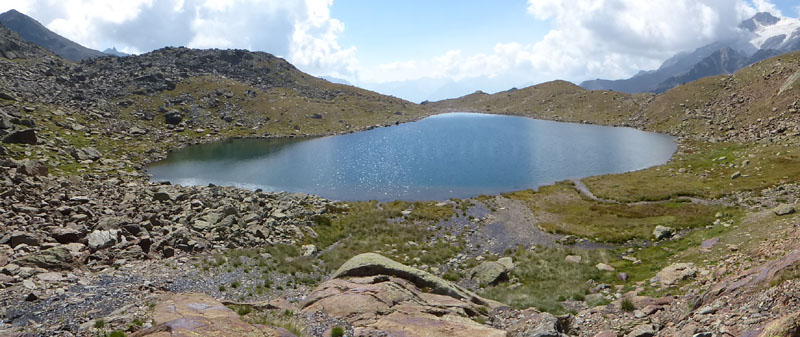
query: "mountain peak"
33, 31
760, 19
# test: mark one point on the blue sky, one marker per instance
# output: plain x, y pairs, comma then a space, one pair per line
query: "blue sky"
412, 48
399, 30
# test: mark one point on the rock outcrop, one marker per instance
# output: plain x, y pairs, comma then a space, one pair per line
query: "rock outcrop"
380, 296
201, 315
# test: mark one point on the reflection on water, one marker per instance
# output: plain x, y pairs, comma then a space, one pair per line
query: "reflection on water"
440, 157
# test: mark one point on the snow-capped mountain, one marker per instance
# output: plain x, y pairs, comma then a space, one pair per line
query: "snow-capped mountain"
770, 32
763, 36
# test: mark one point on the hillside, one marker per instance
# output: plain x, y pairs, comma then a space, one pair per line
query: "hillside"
557, 100
758, 102
34, 32
179, 96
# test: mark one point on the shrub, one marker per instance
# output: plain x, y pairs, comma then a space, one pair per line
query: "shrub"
337, 332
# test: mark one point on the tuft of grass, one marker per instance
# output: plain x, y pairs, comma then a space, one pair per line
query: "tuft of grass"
337, 331
627, 305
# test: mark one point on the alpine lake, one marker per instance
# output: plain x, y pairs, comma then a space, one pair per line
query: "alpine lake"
453, 155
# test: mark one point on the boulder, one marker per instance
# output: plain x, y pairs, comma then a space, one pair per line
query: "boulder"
643, 330
173, 117
573, 259
86, 153
784, 209
56, 258
166, 196
369, 264
27, 136
604, 267
536, 324
490, 273
34, 168
308, 250
100, 239
66, 235
383, 297
662, 232
19, 237
786, 326
671, 275
191, 314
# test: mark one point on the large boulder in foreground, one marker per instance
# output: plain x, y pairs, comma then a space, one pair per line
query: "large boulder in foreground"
379, 296
200, 315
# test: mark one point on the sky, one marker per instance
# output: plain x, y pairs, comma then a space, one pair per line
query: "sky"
417, 49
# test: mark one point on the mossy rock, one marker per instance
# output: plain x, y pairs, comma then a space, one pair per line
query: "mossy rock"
371, 264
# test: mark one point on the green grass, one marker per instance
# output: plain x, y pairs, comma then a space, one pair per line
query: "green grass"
706, 176
627, 305
545, 277
562, 209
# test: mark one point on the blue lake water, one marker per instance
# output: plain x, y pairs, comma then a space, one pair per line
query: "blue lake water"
452, 155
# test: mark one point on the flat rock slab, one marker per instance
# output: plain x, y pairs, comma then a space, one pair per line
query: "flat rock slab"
200, 315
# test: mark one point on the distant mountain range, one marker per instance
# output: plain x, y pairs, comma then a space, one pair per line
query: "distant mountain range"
763, 36
34, 32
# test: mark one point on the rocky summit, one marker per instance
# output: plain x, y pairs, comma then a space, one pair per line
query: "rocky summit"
704, 245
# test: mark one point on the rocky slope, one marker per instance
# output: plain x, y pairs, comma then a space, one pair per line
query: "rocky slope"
89, 245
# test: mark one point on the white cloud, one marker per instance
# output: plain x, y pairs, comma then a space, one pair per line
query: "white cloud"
766, 6
300, 30
588, 39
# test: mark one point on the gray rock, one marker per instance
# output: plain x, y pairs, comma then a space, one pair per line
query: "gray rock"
165, 196
671, 275
34, 168
19, 237
66, 235
643, 330
604, 267
489, 273
370, 264
573, 259
662, 232
736, 175
56, 258
308, 250
27, 136
537, 325
784, 209
101, 239
86, 153
173, 117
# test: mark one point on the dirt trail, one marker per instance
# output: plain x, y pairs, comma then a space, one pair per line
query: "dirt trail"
583, 189
513, 224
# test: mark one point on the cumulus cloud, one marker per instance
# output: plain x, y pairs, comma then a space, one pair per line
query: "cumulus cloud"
589, 39
300, 30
